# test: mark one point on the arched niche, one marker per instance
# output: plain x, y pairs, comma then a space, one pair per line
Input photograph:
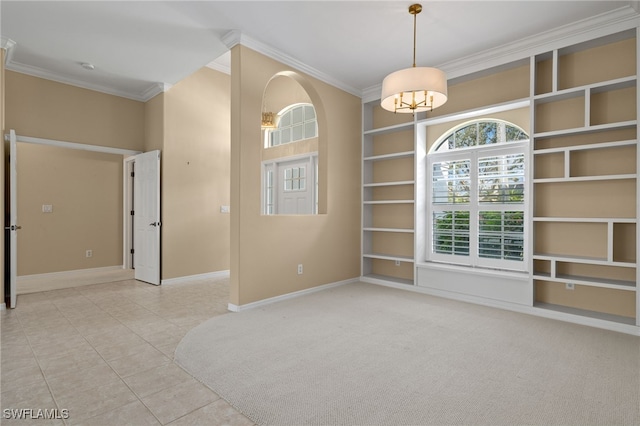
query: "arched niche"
293, 156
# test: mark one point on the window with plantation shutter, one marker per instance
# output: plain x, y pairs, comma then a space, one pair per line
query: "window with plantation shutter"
478, 196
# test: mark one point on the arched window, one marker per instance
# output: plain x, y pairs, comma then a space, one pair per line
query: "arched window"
295, 123
477, 175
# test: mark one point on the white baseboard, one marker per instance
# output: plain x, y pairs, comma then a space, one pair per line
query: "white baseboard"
67, 279
207, 276
252, 305
514, 307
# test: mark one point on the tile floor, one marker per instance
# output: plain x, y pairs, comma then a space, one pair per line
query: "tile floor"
104, 352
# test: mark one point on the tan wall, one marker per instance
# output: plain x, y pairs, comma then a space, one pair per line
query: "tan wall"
501, 86
46, 109
195, 175
265, 250
154, 123
84, 188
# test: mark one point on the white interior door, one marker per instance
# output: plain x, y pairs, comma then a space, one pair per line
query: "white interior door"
146, 217
13, 219
295, 186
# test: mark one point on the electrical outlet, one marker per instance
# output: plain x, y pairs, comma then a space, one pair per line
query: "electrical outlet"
300, 269
569, 286
89, 253
397, 263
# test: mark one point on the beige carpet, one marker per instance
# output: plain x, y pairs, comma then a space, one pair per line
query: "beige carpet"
362, 354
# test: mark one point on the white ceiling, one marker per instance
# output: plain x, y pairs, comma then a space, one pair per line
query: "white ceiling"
139, 48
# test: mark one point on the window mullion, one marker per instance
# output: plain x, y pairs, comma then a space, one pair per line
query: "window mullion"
473, 211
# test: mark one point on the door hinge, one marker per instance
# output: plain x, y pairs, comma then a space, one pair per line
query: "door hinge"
132, 213
131, 251
133, 174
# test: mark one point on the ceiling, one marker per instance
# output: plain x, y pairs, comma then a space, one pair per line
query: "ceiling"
140, 48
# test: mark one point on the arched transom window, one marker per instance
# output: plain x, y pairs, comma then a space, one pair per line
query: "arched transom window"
477, 175
295, 123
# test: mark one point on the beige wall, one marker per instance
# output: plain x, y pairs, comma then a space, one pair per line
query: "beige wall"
45, 109
195, 174
84, 188
265, 250
189, 124
154, 123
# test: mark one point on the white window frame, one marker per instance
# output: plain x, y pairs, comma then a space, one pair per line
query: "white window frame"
474, 207
268, 133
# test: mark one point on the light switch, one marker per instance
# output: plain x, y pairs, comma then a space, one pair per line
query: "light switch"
47, 208
224, 209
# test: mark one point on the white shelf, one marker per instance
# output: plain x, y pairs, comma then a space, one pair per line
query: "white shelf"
400, 182
573, 92
582, 259
587, 281
585, 178
389, 129
602, 145
585, 129
377, 278
382, 202
586, 313
585, 219
393, 156
399, 230
388, 257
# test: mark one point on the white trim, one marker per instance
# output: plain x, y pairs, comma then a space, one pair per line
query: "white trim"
52, 76
8, 45
235, 37
252, 305
3, 306
189, 278
73, 145
477, 112
66, 279
127, 203
153, 90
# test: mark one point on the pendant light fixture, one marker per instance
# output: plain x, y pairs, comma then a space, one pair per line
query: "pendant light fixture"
414, 89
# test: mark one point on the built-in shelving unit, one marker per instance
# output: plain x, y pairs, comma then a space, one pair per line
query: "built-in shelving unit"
388, 196
585, 161
582, 212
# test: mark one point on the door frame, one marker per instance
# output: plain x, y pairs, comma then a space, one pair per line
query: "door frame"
13, 273
127, 206
275, 164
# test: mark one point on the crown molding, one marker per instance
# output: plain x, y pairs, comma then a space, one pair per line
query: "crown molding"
154, 90
219, 67
235, 37
11, 65
149, 93
8, 45
618, 20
